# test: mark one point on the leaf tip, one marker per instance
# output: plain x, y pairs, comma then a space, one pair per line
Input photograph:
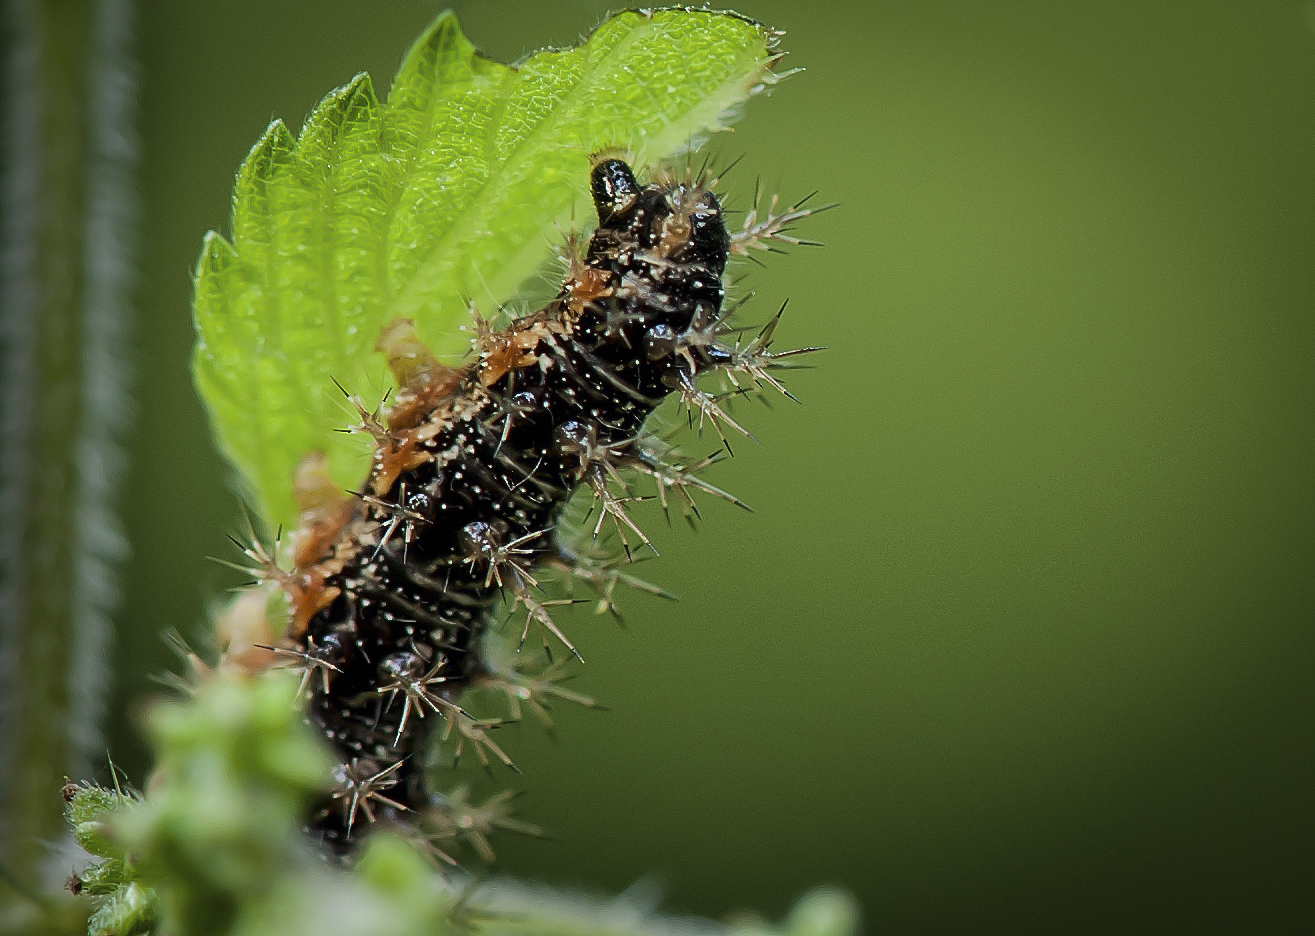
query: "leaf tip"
260, 162
361, 86
276, 136
443, 38
216, 255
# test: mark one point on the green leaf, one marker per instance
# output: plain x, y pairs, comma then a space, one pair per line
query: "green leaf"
450, 191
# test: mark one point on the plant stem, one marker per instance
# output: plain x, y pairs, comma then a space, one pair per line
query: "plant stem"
67, 221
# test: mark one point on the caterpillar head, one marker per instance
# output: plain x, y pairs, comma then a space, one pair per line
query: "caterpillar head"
615, 191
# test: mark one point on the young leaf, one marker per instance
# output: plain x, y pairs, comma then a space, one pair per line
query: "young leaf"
449, 191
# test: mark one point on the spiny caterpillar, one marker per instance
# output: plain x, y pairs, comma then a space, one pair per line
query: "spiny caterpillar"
394, 589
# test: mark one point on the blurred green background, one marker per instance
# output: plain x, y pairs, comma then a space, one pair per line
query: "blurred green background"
1020, 638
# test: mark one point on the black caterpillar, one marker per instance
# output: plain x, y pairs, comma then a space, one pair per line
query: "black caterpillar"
394, 589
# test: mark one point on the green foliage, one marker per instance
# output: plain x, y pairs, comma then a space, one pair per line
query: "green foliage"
446, 192
217, 847
218, 839
237, 768
125, 906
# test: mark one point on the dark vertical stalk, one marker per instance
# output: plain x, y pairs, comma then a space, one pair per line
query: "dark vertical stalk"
109, 241
67, 224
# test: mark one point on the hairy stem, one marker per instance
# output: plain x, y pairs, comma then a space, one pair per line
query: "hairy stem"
67, 221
